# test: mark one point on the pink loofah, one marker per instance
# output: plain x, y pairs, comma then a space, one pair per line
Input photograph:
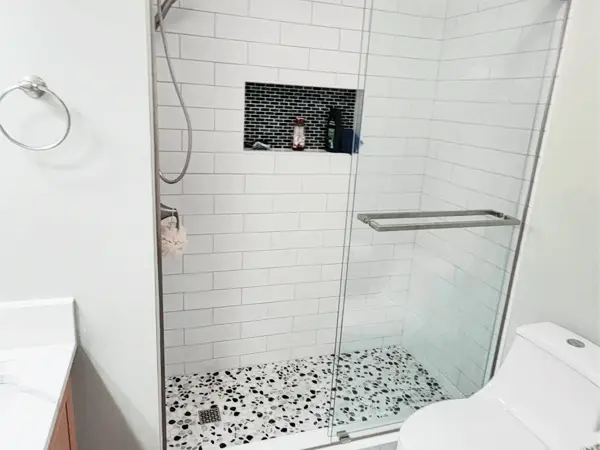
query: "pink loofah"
173, 240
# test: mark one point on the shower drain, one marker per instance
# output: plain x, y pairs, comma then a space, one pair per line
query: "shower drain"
210, 415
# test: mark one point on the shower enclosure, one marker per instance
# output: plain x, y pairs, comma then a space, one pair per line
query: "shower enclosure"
334, 294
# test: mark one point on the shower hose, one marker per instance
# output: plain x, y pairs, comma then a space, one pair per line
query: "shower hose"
188, 122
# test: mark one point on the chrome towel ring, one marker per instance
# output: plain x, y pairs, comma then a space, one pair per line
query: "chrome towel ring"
35, 87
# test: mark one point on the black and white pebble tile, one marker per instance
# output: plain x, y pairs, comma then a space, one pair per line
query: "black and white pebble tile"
271, 400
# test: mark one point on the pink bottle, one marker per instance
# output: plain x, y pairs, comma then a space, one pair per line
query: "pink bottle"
299, 136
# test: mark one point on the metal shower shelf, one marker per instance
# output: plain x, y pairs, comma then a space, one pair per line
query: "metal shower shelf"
493, 219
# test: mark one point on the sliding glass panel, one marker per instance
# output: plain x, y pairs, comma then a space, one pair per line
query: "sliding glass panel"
454, 102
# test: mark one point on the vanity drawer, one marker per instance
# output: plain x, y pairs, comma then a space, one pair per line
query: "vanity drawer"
63, 437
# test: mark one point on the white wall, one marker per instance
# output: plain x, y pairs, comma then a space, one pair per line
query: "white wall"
79, 219
495, 69
558, 271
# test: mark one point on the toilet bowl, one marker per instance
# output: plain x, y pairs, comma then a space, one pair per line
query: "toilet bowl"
545, 396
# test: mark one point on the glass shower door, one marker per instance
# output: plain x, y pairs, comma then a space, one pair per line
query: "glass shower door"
454, 105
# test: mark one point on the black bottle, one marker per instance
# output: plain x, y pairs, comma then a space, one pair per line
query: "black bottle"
334, 131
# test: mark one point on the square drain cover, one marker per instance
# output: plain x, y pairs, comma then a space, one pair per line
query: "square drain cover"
210, 415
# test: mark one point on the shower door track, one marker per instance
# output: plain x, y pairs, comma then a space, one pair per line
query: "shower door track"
345, 439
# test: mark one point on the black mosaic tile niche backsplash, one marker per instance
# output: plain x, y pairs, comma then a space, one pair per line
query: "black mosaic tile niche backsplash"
271, 111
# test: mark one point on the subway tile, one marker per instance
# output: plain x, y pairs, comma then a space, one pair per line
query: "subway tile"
283, 10
240, 347
213, 184
172, 265
173, 117
265, 357
236, 7
186, 71
188, 353
315, 322
337, 202
293, 308
172, 45
269, 259
337, 16
245, 163
310, 256
174, 369
244, 313
169, 140
267, 294
322, 221
214, 50
237, 75
271, 222
212, 263
228, 120
190, 204
328, 305
299, 202
214, 224
302, 163
312, 350
172, 302
278, 56
214, 298
307, 78
166, 95
243, 204
318, 289
199, 96
212, 365
187, 319
187, 283
173, 338
340, 164
296, 239
291, 340
332, 272
198, 244
241, 278
310, 36
215, 333
351, 40
331, 184
247, 29
334, 61
190, 22
266, 327
274, 184
242, 242
216, 141
299, 274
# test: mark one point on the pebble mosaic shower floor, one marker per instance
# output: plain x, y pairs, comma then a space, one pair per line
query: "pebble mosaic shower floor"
271, 400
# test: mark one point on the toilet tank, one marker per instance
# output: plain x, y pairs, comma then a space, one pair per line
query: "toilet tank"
553, 387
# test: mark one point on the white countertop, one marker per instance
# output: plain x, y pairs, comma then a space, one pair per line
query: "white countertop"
35, 364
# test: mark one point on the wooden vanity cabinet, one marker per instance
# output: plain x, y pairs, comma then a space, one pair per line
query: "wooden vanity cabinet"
63, 437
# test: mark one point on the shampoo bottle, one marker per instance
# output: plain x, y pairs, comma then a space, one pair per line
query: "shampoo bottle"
334, 131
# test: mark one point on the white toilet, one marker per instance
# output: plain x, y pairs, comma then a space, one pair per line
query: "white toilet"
546, 395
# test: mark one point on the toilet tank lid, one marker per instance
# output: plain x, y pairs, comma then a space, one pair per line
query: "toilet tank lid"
553, 339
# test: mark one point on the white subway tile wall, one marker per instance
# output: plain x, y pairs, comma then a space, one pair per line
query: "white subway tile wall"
451, 91
265, 230
497, 60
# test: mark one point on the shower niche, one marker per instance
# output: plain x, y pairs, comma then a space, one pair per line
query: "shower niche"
271, 111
